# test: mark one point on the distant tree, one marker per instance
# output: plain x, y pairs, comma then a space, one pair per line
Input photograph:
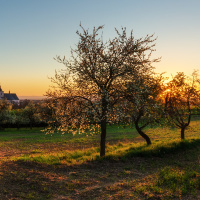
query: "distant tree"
86, 91
23, 103
47, 111
182, 96
18, 118
5, 106
30, 114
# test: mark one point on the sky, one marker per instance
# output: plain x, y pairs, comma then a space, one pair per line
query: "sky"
34, 32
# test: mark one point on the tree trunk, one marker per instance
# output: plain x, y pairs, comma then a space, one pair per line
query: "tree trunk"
103, 138
182, 133
103, 123
146, 137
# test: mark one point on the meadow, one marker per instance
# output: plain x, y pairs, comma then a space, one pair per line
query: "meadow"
38, 166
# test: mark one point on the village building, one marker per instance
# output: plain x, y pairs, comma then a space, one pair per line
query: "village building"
10, 97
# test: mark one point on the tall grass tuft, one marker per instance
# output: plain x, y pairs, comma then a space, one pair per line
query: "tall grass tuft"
182, 181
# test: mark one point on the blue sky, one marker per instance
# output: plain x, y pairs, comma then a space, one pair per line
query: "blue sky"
33, 32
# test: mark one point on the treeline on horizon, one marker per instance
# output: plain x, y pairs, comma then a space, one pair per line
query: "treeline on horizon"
26, 114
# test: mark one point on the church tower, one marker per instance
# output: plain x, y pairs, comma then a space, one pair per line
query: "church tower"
1, 93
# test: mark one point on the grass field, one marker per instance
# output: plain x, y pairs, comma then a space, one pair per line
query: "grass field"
38, 166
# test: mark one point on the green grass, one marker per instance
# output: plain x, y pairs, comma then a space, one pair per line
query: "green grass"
120, 151
39, 166
120, 144
36, 134
67, 157
169, 144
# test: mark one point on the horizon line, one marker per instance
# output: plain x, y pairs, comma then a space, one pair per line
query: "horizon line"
31, 97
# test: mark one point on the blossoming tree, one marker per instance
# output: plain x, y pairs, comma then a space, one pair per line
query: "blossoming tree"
85, 92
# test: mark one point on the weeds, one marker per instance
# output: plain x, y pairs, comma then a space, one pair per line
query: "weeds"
179, 181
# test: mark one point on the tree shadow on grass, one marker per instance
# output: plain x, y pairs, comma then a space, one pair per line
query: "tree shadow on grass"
32, 180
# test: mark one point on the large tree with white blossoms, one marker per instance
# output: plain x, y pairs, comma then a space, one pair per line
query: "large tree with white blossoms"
86, 90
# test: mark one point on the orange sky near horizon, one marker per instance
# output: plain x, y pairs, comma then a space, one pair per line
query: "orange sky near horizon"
38, 83
39, 86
